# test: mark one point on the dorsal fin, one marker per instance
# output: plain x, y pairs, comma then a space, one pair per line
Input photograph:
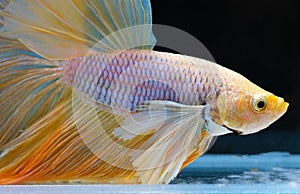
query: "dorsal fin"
60, 29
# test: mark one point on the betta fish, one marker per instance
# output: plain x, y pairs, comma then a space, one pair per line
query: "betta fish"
86, 99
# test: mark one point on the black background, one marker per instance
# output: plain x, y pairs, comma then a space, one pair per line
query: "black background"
260, 40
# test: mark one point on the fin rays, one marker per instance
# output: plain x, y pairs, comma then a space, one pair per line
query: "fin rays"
70, 28
27, 91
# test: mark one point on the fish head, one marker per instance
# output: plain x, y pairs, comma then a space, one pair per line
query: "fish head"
245, 108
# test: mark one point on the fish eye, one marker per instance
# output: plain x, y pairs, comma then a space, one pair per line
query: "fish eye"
259, 103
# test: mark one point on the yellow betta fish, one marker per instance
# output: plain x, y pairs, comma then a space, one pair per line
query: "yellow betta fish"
85, 99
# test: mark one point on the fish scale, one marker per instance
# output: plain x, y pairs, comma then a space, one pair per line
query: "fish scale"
126, 79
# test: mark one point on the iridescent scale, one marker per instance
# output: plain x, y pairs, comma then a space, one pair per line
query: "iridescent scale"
126, 79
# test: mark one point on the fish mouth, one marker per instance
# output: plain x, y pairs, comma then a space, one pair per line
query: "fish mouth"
281, 107
284, 106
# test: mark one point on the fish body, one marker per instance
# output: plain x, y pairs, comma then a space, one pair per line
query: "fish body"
85, 99
125, 79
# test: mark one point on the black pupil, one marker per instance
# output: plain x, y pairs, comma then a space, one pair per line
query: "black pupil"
261, 104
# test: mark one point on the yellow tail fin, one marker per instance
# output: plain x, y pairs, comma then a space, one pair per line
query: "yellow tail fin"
34, 102
30, 87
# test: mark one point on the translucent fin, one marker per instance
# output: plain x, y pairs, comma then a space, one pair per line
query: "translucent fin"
204, 145
29, 88
175, 131
15, 161
151, 115
60, 29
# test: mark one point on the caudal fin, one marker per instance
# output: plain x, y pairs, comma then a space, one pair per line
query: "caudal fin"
30, 88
